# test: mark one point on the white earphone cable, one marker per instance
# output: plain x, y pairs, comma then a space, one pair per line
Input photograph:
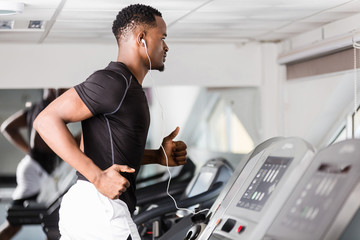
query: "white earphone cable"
167, 160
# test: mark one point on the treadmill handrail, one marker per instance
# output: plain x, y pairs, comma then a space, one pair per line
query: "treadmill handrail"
175, 189
164, 208
152, 177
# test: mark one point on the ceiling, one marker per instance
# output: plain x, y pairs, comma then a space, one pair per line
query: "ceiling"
90, 21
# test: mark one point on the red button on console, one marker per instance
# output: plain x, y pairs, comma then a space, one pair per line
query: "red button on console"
241, 229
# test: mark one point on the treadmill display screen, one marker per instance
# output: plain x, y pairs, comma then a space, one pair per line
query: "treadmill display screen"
317, 198
264, 183
202, 183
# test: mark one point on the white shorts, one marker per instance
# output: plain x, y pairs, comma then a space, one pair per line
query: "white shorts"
87, 214
30, 177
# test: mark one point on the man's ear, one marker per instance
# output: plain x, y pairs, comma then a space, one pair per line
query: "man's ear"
140, 38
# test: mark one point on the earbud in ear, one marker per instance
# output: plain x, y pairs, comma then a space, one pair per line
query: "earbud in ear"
143, 41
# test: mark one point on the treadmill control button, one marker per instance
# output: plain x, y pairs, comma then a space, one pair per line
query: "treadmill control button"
228, 225
218, 221
241, 229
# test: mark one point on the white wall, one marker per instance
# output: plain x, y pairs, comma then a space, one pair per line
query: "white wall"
271, 93
212, 65
38, 66
53, 65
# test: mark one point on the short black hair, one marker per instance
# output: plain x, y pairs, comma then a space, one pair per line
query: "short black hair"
132, 16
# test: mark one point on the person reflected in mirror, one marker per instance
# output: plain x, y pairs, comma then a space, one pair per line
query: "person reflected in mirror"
39, 161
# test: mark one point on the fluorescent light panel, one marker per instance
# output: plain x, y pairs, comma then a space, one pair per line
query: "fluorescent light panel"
11, 8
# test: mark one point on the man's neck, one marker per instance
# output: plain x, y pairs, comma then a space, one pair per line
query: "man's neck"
135, 66
139, 73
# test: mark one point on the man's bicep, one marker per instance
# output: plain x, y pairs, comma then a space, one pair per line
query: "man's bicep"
70, 107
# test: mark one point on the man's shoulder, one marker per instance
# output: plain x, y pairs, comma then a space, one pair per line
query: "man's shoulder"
110, 74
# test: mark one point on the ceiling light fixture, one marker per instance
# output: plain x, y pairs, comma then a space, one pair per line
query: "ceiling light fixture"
6, 24
35, 24
11, 8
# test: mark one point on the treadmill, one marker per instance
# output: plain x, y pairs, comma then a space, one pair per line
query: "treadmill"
195, 223
259, 192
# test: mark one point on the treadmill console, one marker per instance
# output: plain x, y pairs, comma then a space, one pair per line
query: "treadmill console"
259, 191
326, 198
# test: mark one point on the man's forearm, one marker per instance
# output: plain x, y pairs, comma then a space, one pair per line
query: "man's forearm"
15, 137
11, 130
151, 156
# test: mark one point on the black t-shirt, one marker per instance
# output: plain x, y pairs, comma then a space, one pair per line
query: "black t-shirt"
117, 132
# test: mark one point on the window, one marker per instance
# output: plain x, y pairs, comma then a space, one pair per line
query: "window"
351, 129
223, 131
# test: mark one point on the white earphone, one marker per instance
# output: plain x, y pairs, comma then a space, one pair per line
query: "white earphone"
143, 41
147, 54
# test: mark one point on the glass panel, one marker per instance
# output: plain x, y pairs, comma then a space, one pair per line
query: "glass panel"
224, 132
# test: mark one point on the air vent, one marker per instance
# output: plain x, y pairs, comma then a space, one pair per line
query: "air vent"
35, 24
6, 24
